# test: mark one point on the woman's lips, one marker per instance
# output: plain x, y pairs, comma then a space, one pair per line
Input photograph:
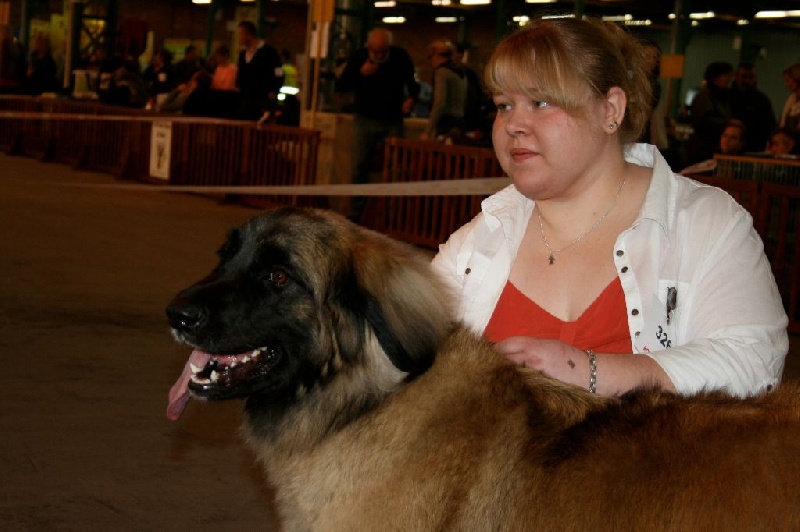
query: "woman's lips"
520, 155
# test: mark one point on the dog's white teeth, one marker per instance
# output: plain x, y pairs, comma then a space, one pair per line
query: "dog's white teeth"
257, 352
194, 368
214, 376
235, 363
246, 359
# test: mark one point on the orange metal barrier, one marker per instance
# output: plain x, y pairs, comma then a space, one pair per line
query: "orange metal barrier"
428, 220
117, 140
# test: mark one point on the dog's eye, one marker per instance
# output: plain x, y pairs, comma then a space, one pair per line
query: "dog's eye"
278, 277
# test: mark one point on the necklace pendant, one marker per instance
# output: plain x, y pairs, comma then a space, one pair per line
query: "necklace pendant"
551, 259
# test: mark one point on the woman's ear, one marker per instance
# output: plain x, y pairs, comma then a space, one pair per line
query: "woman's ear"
615, 104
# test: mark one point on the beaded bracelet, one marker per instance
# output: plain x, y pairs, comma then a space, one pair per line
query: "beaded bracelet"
592, 371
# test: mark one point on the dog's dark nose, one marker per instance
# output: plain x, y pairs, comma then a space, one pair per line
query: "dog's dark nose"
184, 316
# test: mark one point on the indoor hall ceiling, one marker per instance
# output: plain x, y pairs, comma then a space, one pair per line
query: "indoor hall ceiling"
658, 11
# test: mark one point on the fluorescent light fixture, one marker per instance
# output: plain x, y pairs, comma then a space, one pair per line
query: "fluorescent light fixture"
201, 1
440, 2
568, 15
632, 22
742, 22
445, 20
778, 14
286, 89
541, 1
522, 20
474, 2
394, 20
701, 16
618, 18
385, 3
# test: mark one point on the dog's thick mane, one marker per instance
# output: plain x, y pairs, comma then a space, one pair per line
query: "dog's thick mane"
383, 317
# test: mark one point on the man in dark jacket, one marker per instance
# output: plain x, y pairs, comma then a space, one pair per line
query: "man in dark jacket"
752, 107
259, 76
381, 76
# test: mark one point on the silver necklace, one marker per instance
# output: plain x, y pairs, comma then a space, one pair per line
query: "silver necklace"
552, 257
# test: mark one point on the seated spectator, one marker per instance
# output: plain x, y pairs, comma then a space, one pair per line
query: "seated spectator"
731, 142
158, 75
224, 77
128, 88
191, 63
782, 142
176, 99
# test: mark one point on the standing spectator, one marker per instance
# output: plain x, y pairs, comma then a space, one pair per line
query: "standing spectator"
158, 74
224, 78
12, 62
449, 93
289, 70
752, 107
191, 63
259, 74
476, 111
41, 74
381, 75
710, 111
790, 116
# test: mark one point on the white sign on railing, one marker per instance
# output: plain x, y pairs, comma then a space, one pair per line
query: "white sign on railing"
160, 149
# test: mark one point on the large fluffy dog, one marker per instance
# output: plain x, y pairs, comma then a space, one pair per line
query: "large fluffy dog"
372, 411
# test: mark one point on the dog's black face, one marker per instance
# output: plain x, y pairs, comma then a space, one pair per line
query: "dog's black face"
300, 296
249, 320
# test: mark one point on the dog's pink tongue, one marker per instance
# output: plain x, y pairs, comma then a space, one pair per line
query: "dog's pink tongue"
179, 393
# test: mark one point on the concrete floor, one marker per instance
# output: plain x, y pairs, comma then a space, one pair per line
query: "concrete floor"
85, 274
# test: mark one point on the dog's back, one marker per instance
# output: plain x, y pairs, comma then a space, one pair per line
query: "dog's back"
477, 444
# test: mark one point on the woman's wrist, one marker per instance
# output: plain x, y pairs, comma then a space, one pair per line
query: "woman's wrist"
592, 371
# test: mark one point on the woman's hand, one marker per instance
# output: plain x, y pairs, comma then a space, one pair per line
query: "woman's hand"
616, 373
555, 358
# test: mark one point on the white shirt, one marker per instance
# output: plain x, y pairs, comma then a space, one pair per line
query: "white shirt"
728, 327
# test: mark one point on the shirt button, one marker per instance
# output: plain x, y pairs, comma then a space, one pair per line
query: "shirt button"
638, 333
468, 271
624, 269
620, 253
635, 312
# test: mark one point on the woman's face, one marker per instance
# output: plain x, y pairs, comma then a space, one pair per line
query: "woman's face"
546, 151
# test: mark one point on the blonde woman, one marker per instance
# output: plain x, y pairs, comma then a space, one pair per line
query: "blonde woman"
600, 266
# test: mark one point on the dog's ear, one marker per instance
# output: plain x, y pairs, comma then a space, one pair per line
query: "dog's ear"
405, 304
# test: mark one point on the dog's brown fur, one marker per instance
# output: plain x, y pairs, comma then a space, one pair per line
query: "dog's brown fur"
474, 442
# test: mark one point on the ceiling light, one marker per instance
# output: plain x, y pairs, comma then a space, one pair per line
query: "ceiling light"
201, 1
385, 3
617, 18
474, 2
445, 20
541, 1
777, 14
394, 20
440, 2
700, 16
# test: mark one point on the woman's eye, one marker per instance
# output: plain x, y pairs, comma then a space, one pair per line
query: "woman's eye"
539, 104
502, 106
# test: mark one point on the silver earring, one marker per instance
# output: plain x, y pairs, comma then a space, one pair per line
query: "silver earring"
612, 125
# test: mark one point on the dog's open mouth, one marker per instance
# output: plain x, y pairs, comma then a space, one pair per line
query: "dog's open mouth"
210, 376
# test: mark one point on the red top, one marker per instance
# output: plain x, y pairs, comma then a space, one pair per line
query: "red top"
602, 327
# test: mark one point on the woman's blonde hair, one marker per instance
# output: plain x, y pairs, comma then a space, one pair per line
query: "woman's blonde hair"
567, 61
